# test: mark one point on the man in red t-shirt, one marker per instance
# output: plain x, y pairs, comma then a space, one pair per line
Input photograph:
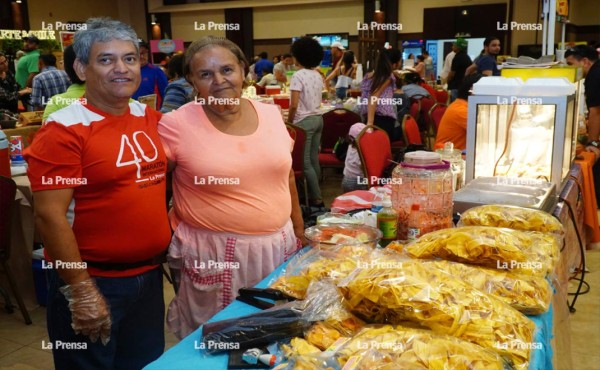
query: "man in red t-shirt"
97, 170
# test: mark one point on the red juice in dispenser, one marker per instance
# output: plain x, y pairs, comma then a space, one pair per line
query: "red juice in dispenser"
422, 179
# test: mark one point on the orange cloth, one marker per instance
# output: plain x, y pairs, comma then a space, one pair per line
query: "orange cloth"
453, 126
590, 214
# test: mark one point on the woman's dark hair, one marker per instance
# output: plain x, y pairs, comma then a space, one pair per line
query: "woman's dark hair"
175, 66
69, 57
412, 78
383, 67
348, 60
308, 52
421, 58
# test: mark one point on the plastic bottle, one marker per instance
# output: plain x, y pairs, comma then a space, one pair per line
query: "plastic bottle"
414, 226
4, 156
387, 222
377, 203
359, 73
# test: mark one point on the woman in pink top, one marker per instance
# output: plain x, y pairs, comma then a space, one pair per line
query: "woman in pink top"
236, 214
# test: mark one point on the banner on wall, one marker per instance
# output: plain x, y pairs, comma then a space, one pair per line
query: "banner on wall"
66, 39
562, 8
166, 46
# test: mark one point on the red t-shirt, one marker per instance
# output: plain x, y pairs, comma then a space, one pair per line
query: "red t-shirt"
116, 166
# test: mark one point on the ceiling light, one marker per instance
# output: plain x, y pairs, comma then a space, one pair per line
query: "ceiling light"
152, 19
377, 6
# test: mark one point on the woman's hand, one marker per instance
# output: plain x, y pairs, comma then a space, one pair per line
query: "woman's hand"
299, 233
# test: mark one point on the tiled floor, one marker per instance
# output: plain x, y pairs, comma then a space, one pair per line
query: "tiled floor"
21, 345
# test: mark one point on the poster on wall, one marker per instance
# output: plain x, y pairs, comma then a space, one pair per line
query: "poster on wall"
562, 8
66, 39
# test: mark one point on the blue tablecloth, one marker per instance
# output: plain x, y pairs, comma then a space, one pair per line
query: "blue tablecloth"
187, 355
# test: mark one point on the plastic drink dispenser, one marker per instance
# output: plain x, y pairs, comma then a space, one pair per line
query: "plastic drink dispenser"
457, 164
423, 179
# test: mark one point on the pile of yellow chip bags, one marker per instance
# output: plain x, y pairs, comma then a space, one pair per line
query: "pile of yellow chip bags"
382, 347
434, 299
500, 248
512, 217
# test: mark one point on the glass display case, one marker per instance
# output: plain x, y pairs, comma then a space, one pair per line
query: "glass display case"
521, 137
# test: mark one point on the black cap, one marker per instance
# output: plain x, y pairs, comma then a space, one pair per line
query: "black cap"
32, 39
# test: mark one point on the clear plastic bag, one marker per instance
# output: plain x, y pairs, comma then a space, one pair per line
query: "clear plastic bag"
512, 217
335, 262
500, 248
432, 298
397, 347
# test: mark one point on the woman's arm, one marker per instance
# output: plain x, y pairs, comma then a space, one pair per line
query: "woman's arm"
294, 100
296, 215
333, 73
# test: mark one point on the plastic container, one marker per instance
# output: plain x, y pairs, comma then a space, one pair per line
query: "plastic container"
282, 100
4, 156
324, 236
426, 180
377, 203
457, 164
273, 90
387, 222
16, 151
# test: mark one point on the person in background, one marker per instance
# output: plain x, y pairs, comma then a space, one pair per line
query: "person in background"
586, 57
305, 100
178, 91
420, 66
238, 211
49, 82
154, 80
337, 52
101, 212
486, 64
75, 90
27, 67
453, 126
448, 63
276, 59
268, 78
377, 90
261, 64
411, 86
9, 88
429, 73
285, 65
353, 170
251, 77
460, 63
345, 73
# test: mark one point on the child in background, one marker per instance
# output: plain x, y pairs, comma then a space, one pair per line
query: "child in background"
353, 166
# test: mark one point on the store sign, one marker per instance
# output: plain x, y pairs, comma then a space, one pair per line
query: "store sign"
19, 34
166, 46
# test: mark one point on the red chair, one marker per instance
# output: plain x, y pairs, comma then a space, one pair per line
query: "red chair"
375, 152
8, 191
298, 134
415, 107
436, 113
336, 124
442, 96
426, 125
410, 130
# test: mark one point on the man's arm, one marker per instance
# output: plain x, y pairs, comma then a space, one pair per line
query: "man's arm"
36, 94
90, 313
30, 79
51, 207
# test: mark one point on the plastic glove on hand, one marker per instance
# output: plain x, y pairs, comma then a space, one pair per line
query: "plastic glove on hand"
90, 313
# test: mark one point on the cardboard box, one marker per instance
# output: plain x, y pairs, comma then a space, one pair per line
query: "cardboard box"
31, 118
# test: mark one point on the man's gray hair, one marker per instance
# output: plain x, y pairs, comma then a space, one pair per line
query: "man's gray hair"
101, 30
